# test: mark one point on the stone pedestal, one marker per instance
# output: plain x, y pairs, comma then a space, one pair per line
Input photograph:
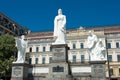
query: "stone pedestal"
20, 71
98, 70
59, 69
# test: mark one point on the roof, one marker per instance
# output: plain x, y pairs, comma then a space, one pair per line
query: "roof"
49, 34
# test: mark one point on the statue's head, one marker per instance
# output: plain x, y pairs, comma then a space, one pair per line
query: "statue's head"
22, 37
59, 11
90, 33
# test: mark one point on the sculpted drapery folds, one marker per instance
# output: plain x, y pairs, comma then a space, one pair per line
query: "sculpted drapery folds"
21, 46
95, 47
60, 28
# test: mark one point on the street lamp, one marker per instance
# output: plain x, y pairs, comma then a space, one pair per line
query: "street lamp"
107, 57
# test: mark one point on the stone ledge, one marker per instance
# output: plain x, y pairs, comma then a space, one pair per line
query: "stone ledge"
97, 62
19, 64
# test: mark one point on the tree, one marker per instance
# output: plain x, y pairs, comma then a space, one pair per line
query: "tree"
7, 51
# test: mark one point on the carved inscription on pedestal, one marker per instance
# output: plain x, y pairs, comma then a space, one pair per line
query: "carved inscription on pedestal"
58, 69
98, 70
59, 54
17, 71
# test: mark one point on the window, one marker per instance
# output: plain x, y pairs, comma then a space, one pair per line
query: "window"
43, 60
36, 60
118, 57
119, 71
30, 60
74, 46
50, 59
30, 49
74, 58
82, 58
37, 49
50, 48
108, 45
81, 45
110, 57
111, 71
117, 45
44, 49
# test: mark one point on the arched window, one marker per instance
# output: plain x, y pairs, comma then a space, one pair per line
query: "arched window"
44, 49
30, 49
74, 46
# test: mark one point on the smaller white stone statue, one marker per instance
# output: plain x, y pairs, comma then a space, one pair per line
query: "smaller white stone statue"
21, 46
95, 47
60, 28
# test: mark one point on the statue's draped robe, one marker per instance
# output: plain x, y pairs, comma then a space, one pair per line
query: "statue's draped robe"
21, 46
95, 48
60, 29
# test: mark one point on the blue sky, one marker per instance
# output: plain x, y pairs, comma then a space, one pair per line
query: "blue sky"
38, 15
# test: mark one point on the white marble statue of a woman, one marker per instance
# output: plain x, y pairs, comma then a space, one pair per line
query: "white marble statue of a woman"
60, 28
95, 47
21, 46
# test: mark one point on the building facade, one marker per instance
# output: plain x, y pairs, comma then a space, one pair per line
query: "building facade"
40, 55
8, 26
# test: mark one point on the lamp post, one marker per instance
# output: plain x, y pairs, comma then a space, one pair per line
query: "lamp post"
107, 58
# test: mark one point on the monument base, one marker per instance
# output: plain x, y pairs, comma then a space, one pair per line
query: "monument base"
61, 77
98, 70
59, 69
20, 71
